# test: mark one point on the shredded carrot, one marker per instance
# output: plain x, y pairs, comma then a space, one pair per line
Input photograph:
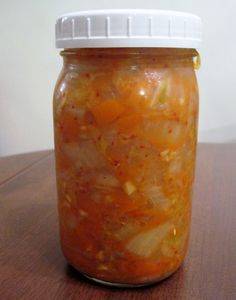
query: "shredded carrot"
107, 112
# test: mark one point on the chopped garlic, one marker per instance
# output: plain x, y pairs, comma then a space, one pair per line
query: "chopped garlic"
103, 268
68, 198
129, 187
167, 155
103, 145
100, 255
83, 213
83, 128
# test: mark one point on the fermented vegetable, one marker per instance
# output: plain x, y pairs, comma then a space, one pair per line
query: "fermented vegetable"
125, 142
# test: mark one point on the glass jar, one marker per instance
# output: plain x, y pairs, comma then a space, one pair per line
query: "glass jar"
125, 123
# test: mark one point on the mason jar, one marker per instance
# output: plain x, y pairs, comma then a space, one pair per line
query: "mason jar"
125, 120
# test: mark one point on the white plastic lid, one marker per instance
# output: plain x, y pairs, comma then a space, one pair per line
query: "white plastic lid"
128, 28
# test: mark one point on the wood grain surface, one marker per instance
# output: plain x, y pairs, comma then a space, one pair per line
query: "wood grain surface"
32, 265
12, 165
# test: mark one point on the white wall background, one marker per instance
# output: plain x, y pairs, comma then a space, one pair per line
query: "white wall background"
29, 65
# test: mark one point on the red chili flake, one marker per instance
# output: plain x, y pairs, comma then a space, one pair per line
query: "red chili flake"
87, 75
89, 118
97, 94
141, 146
99, 137
170, 130
116, 163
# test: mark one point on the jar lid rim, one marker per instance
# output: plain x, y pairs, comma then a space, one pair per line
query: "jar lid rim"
128, 28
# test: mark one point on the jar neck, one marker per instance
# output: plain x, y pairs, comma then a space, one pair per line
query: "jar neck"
127, 56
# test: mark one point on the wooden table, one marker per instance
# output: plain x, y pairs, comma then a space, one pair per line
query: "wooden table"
32, 265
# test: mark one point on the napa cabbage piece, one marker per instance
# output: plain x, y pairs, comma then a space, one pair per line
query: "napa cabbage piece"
127, 231
160, 93
148, 242
84, 154
165, 133
129, 188
155, 196
105, 181
175, 245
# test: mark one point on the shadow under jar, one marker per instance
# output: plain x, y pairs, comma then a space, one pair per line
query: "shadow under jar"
125, 122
